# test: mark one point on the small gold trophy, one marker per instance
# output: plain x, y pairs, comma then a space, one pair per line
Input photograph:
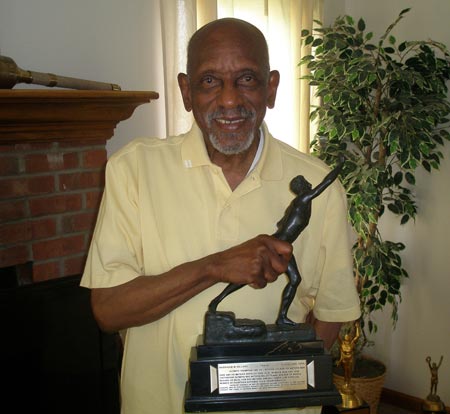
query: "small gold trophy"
433, 404
347, 346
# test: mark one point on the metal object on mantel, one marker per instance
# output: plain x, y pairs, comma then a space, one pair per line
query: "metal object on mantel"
11, 75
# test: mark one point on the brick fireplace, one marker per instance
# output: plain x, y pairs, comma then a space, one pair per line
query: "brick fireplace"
52, 161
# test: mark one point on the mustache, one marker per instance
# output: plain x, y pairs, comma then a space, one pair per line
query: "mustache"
230, 113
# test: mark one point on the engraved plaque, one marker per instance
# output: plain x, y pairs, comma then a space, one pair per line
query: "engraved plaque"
265, 376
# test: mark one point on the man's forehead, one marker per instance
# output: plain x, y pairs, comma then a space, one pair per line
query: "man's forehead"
233, 38
227, 54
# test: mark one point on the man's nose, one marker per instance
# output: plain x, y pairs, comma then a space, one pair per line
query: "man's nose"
229, 96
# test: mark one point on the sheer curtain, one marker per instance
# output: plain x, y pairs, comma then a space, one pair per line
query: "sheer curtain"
281, 21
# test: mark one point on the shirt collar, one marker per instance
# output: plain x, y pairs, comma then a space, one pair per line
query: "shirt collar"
269, 165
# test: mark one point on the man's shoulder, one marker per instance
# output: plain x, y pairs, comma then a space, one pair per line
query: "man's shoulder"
309, 163
145, 145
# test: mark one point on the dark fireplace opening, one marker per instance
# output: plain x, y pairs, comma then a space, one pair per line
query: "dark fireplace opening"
16, 275
55, 359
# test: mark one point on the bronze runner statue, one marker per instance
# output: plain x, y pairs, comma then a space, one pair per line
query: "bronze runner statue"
294, 221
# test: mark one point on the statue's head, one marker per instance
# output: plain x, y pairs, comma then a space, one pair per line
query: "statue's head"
300, 185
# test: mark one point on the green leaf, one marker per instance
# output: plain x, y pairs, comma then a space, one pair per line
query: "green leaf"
309, 40
317, 42
426, 165
349, 20
370, 46
410, 178
393, 208
405, 219
355, 134
361, 25
398, 178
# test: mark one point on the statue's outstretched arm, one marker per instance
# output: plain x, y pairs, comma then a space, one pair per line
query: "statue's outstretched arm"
329, 178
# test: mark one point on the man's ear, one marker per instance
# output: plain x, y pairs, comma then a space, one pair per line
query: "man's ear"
274, 80
183, 83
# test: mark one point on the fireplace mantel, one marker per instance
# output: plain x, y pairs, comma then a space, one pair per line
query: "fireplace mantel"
42, 115
52, 168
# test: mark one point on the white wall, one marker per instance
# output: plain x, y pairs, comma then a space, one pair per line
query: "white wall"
104, 40
424, 326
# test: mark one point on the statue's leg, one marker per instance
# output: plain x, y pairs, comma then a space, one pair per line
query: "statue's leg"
229, 289
289, 293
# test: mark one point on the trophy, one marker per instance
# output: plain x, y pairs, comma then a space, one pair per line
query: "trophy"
346, 346
244, 364
433, 404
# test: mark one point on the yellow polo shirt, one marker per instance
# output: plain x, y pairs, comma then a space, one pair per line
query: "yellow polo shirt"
164, 204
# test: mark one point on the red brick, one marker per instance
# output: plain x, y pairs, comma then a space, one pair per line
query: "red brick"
9, 166
44, 228
46, 271
76, 144
93, 199
51, 161
55, 204
94, 158
39, 146
5, 148
81, 180
13, 210
74, 265
66, 246
79, 222
15, 232
12, 255
21, 187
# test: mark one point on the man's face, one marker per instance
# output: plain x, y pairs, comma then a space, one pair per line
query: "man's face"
228, 89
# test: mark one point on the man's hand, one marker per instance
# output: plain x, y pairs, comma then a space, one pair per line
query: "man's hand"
255, 262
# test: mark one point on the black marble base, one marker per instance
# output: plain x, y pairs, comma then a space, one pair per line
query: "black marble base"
247, 374
259, 401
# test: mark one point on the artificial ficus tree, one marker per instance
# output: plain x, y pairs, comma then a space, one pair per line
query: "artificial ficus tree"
384, 107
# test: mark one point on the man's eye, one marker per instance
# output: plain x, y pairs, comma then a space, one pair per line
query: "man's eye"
208, 81
247, 80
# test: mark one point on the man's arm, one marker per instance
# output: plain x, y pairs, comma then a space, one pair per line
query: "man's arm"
327, 331
147, 298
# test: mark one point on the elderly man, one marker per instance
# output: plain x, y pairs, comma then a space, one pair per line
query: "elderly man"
182, 217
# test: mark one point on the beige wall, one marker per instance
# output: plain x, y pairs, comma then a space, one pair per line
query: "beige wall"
424, 321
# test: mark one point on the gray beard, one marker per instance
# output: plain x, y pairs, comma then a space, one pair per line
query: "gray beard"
234, 149
230, 149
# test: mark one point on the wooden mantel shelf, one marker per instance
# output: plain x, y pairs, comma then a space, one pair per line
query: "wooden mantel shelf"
42, 115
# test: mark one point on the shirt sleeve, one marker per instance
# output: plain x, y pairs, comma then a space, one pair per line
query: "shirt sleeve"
115, 255
337, 299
